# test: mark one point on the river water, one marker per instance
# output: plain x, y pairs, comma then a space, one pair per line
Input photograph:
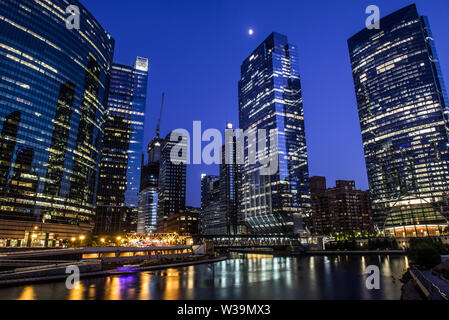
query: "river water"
244, 276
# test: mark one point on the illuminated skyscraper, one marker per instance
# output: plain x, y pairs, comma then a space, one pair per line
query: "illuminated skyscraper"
120, 170
149, 184
270, 98
172, 182
403, 113
229, 187
212, 218
53, 90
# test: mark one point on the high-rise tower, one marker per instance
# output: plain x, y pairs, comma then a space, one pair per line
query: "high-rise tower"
403, 113
52, 114
120, 170
270, 98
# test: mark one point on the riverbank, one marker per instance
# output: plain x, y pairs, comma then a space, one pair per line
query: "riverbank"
354, 252
104, 273
323, 252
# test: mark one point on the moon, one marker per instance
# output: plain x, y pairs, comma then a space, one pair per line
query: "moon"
250, 32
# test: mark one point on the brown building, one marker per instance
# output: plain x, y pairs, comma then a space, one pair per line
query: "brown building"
183, 223
338, 209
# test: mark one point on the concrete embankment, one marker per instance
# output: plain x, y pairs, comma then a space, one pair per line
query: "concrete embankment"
87, 269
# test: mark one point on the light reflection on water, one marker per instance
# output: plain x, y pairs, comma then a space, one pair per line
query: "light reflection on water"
242, 277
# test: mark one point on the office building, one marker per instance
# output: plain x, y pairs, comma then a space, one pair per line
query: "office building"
172, 182
183, 223
339, 209
229, 187
120, 167
148, 195
270, 98
212, 218
53, 97
403, 111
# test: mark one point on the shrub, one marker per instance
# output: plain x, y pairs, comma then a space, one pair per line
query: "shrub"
424, 254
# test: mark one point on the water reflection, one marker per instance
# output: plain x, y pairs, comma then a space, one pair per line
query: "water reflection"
242, 277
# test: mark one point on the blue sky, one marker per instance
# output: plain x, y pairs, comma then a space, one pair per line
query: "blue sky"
196, 48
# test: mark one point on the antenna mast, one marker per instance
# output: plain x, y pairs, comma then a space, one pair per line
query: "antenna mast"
160, 116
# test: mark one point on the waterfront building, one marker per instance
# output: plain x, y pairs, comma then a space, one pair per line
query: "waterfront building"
213, 221
53, 98
270, 98
339, 209
229, 187
184, 223
120, 167
172, 182
403, 111
148, 195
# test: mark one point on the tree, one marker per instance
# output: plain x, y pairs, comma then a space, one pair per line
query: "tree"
424, 254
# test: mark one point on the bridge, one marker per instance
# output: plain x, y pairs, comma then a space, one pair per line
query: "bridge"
250, 241
105, 254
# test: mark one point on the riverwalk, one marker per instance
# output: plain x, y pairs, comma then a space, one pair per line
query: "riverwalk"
433, 287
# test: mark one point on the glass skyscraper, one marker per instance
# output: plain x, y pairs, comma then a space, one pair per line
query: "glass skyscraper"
403, 113
229, 187
121, 158
212, 218
149, 184
172, 182
270, 98
53, 90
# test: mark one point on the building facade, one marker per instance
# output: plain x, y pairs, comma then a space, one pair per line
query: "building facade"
184, 223
120, 167
172, 182
339, 209
229, 187
148, 195
53, 99
213, 219
270, 98
403, 113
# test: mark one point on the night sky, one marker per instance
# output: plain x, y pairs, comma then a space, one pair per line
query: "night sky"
196, 49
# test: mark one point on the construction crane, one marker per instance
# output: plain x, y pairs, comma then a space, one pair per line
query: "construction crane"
158, 127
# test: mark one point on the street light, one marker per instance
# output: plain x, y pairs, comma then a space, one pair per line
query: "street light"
82, 237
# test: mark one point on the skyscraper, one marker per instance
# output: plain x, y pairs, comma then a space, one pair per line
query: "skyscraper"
212, 218
229, 187
148, 195
120, 168
403, 113
270, 98
172, 182
52, 113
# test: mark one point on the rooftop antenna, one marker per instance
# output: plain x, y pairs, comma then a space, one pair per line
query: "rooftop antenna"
160, 116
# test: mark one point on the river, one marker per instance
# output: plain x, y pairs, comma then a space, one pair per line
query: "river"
244, 276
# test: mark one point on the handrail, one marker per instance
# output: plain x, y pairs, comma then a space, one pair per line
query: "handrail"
435, 292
